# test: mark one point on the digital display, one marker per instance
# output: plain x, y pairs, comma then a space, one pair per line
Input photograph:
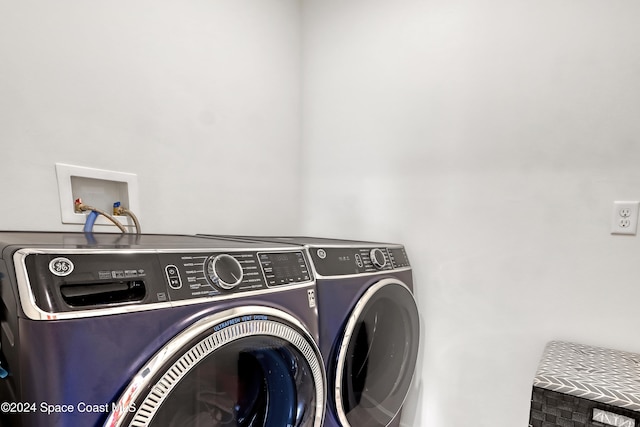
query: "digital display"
284, 268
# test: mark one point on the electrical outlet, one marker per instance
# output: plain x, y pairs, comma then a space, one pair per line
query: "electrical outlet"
96, 187
624, 219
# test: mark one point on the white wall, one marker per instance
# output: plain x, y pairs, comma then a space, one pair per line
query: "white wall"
491, 137
488, 136
201, 99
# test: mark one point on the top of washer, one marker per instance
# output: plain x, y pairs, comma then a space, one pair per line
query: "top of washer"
10, 241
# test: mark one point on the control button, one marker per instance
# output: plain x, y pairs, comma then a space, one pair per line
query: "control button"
377, 258
173, 276
359, 262
322, 254
311, 296
223, 271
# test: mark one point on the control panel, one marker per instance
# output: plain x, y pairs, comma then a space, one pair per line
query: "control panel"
81, 281
340, 261
194, 275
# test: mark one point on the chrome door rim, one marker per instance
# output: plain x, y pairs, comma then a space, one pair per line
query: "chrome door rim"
346, 338
297, 335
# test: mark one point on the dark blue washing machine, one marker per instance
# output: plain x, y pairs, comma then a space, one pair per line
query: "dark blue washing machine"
369, 327
157, 330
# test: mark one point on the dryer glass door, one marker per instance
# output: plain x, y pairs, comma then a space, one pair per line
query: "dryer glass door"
377, 357
256, 373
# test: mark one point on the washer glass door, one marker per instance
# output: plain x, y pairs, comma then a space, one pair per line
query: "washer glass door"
251, 382
377, 357
255, 373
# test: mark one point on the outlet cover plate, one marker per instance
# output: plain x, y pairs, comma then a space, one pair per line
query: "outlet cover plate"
96, 187
624, 218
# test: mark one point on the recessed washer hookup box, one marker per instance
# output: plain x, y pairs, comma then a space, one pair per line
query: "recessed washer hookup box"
584, 386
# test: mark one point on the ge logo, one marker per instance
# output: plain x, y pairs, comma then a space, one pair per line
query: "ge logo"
61, 266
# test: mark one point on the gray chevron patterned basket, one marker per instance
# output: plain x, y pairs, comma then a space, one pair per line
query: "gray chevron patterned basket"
585, 386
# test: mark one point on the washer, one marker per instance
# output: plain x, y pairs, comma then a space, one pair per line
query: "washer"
157, 330
369, 327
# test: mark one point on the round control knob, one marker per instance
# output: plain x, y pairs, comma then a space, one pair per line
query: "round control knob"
223, 271
377, 258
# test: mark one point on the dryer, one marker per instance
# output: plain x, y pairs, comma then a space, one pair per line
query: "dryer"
157, 330
369, 327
